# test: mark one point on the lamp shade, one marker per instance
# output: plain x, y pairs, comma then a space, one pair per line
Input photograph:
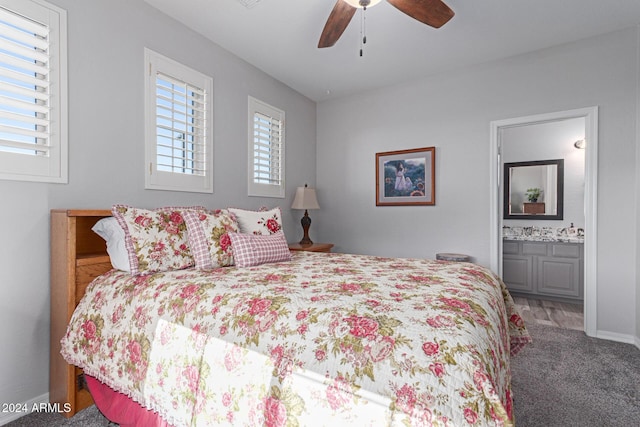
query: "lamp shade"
305, 199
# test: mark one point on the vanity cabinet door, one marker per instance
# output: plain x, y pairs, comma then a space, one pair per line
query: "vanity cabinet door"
559, 277
517, 269
517, 272
560, 273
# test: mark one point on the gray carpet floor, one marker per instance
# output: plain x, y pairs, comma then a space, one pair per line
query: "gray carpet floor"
89, 417
563, 379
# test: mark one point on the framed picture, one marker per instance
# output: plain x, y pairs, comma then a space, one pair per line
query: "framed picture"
406, 177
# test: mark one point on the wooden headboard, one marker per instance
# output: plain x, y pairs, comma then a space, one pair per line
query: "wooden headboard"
78, 255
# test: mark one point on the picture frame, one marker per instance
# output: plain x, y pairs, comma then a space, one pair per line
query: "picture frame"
406, 177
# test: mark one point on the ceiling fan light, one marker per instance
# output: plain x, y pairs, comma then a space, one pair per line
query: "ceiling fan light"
365, 3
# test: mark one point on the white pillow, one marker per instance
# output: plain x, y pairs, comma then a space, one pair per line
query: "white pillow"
109, 229
260, 223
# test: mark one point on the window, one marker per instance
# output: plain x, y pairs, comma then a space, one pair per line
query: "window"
178, 129
266, 150
33, 91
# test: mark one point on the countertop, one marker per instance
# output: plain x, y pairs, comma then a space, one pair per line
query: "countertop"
579, 239
544, 234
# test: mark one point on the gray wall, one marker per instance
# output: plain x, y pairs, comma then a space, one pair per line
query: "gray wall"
106, 160
452, 112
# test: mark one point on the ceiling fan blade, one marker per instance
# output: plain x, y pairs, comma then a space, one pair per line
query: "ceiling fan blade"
336, 23
431, 12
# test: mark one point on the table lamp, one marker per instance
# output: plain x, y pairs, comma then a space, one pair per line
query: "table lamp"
305, 199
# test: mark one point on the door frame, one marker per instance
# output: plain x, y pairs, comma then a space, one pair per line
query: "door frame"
590, 114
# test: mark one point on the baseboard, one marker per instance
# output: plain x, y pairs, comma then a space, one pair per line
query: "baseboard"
20, 409
613, 336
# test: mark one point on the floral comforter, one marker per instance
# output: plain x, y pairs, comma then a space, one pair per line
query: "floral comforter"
326, 339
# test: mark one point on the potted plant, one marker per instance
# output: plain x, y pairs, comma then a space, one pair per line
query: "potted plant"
533, 194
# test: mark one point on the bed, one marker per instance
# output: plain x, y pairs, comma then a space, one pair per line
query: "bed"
299, 339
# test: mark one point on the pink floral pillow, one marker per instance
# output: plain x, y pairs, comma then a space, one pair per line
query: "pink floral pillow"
260, 223
209, 237
156, 240
250, 250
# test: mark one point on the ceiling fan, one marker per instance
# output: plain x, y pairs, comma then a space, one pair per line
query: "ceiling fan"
431, 12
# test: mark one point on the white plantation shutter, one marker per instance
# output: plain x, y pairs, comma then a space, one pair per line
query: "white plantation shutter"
33, 144
267, 138
266, 148
178, 127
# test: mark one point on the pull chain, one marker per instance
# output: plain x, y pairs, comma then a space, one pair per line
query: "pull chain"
363, 29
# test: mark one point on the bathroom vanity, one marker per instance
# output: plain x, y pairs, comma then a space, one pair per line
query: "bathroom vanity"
549, 269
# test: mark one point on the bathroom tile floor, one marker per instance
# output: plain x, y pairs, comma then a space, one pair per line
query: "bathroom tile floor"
550, 313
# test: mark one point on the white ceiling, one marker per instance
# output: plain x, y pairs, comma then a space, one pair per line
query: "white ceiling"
280, 37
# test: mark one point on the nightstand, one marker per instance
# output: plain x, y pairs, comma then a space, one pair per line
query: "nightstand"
314, 247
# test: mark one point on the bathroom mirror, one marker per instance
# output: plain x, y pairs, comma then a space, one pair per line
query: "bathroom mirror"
534, 190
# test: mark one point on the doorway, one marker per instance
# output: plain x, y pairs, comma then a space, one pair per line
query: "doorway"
497, 128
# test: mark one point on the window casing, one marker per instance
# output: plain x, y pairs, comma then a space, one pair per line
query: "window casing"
178, 126
266, 150
33, 91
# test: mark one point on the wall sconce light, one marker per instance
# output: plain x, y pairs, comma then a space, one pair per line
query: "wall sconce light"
305, 199
579, 144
